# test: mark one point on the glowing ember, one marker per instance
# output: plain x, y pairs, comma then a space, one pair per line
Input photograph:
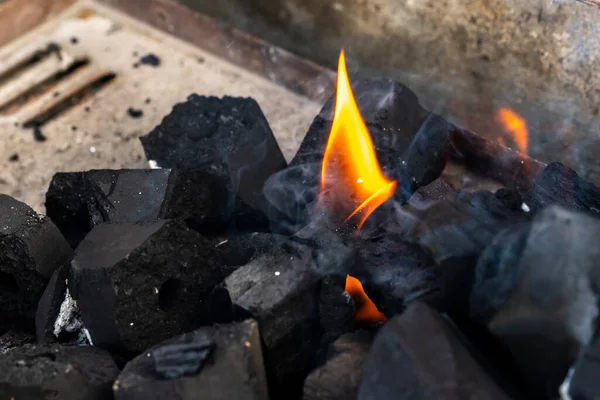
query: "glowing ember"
350, 163
366, 310
514, 125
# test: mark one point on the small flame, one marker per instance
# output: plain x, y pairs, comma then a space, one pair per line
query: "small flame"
350, 162
366, 310
350, 168
514, 125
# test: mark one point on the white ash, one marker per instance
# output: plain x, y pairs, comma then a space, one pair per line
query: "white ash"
69, 320
153, 164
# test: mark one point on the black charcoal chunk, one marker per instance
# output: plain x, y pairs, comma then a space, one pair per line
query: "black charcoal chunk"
182, 358
135, 113
560, 185
341, 375
416, 355
536, 293
336, 308
78, 201
13, 339
230, 133
57, 372
240, 248
584, 383
150, 59
280, 289
31, 248
139, 283
391, 112
393, 271
233, 369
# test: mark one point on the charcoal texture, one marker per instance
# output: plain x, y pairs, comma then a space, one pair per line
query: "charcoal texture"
230, 135
336, 308
138, 284
233, 370
13, 339
560, 185
340, 376
57, 372
31, 248
49, 306
412, 146
78, 201
184, 357
280, 289
416, 355
535, 291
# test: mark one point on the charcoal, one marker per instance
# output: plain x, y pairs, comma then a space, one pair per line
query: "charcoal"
13, 339
78, 201
233, 370
49, 307
182, 358
560, 185
57, 372
280, 289
239, 249
139, 283
231, 134
535, 291
31, 248
416, 355
336, 308
583, 384
425, 159
393, 270
340, 376
465, 225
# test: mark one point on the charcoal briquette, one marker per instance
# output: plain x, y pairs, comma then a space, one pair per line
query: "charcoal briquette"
78, 201
280, 289
136, 284
340, 376
31, 248
416, 355
230, 133
57, 372
220, 362
562, 186
534, 290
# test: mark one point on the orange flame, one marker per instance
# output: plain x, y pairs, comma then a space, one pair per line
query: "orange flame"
366, 310
350, 158
350, 165
514, 125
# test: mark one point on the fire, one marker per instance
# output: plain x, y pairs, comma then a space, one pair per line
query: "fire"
366, 310
350, 170
350, 162
514, 125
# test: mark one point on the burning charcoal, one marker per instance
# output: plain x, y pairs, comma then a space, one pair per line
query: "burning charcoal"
234, 368
416, 355
137, 284
77, 201
336, 308
391, 112
393, 270
534, 290
57, 372
584, 384
231, 134
280, 289
31, 248
562, 186
13, 339
340, 376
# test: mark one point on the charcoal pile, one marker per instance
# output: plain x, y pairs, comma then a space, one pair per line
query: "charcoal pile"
221, 272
